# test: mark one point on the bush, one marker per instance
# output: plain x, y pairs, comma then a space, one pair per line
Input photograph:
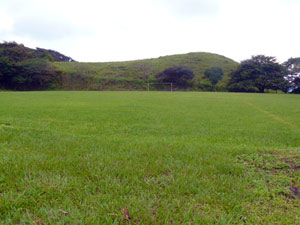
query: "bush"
178, 75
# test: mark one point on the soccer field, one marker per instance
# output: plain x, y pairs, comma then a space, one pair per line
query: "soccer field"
149, 158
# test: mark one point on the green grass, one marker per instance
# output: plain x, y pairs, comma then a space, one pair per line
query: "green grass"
169, 158
134, 74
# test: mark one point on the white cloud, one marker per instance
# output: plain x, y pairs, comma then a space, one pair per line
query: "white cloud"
6, 24
94, 30
190, 8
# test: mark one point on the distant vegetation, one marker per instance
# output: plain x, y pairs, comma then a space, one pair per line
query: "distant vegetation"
134, 75
292, 72
262, 73
214, 74
23, 68
258, 74
178, 75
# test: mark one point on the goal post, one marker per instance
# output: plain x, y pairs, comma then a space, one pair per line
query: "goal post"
158, 84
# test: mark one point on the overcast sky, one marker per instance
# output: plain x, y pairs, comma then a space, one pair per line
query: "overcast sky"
117, 30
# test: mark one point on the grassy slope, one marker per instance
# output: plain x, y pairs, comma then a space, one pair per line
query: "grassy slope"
177, 158
139, 69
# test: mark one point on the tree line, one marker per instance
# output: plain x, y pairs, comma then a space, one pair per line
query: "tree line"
25, 69
262, 73
257, 74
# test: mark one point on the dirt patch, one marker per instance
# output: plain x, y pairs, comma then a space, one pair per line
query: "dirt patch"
6, 124
279, 170
292, 163
295, 191
294, 167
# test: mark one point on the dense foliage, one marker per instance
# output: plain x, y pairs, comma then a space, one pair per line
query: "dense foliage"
23, 68
177, 75
258, 74
214, 74
18, 52
292, 74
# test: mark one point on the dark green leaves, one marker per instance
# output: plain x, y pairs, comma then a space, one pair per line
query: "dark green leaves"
176, 74
214, 74
257, 74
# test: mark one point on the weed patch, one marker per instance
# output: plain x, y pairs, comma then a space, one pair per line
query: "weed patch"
280, 169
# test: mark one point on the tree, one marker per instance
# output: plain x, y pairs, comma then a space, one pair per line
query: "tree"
23, 68
258, 73
7, 71
35, 74
176, 74
292, 74
214, 74
296, 83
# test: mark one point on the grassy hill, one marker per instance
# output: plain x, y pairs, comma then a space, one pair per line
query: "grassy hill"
62, 72
135, 74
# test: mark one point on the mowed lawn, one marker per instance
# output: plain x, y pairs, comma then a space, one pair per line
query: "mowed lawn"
167, 158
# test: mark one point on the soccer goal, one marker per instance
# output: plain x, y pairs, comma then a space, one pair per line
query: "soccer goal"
160, 86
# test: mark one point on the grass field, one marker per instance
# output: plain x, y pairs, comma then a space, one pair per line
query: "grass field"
168, 158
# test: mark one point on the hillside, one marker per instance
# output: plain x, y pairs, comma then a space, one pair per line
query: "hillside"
122, 75
24, 68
